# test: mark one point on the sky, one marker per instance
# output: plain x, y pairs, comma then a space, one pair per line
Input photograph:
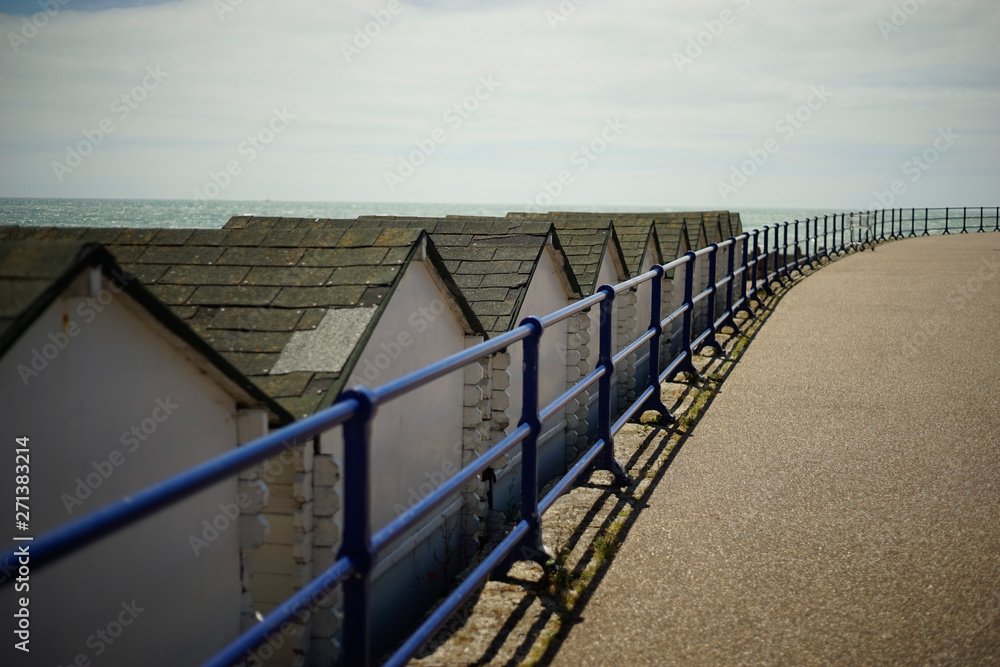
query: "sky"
845, 104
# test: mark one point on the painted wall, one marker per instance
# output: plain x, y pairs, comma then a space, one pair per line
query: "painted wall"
415, 446
607, 275
642, 313
118, 409
545, 295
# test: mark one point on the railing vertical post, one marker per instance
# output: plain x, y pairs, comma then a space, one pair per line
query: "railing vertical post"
996, 219
798, 261
654, 402
843, 233
784, 251
730, 320
814, 255
913, 222
767, 261
926, 221
981, 219
605, 460
713, 289
529, 447
531, 546
964, 230
826, 235
356, 542
745, 276
946, 231
807, 256
796, 254
687, 365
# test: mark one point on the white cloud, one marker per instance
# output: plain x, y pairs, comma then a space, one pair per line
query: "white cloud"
353, 119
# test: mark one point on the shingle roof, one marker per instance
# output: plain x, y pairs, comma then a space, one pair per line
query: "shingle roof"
38, 264
265, 292
27, 270
585, 239
670, 227
491, 259
635, 233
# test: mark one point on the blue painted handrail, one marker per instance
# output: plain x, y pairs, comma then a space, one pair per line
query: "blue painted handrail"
762, 261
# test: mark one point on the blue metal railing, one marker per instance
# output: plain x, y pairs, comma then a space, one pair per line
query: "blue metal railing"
763, 261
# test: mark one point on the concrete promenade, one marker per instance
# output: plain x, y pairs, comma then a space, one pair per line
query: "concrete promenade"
839, 502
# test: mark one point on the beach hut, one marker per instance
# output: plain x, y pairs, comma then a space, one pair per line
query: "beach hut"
508, 270
306, 313
107, 391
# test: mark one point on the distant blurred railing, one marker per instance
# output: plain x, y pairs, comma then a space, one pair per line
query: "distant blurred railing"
767, 255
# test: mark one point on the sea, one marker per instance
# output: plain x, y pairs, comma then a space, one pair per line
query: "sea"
214, 214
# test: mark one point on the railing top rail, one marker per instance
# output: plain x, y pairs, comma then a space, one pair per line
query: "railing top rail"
418, 378
100, 523
573, 309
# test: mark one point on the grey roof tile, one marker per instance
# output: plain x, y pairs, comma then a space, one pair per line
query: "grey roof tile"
311, 317
246, 237
339, 257
246, 341
286, 384
313, 297
242, 295
146, 273
273, 275
285, 238
252, 319
262, 256
178, 255
208, 236
363, 275
172, 295
196, 274
322, 238
171, 236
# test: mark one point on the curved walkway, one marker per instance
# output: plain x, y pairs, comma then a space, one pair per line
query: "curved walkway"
839, 502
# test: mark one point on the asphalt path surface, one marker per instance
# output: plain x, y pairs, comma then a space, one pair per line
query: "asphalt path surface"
839, 501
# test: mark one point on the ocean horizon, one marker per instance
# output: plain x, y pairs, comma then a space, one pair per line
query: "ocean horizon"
181, 213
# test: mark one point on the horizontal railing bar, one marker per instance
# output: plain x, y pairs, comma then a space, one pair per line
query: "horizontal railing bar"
702, 295
674, 315
571, 475
700, 339
419, 378
89, 529
237, 651
632, 410
404, 521
726, 315
572, 309
704, 251
457, 597
678, 360
621, 287
673, 264
637, 343
571, 393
